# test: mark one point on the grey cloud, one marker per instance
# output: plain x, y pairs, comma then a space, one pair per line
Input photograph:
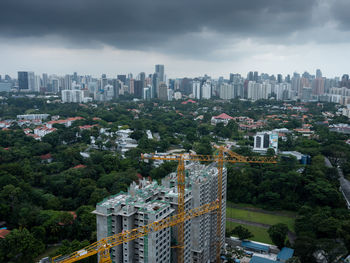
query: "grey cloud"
340, 12
164, 25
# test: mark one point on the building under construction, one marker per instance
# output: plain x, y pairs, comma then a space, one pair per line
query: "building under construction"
148, 201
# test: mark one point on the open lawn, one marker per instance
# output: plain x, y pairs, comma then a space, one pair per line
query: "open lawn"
254, 216
48, 251
260, 234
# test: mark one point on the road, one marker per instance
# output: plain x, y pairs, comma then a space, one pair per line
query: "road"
344, 183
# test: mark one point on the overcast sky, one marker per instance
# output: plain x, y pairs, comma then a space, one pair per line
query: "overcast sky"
190, 37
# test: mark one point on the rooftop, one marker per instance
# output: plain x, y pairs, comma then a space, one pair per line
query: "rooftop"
285, 253
255, 246
4, 233
223, 116
256, 259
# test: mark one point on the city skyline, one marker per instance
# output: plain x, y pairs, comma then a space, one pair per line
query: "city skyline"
191, 38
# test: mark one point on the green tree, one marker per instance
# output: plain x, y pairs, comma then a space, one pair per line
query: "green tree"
20, 246
293, 260
242, 232
278, 234
332, 249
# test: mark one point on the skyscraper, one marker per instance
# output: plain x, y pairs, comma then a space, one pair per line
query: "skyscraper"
155, 85
196, 88
68, 82
279, 78
163, 92
159, 70
104, 81
250, 76
318, 73
45, 80
138, 88
206, 90
122, 78
26, 80
256, 76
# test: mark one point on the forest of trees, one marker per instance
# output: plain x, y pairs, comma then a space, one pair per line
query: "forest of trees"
37, 198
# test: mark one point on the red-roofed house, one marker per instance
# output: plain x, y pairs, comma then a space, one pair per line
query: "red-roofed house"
79, 166
188, 101
67, 122
41, 131
223, 117
46, 158
36, 137
87, 127
4, 233
26, 131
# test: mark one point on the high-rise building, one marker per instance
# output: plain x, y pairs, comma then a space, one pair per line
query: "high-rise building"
37, 84
234, 77
147, 93
138, 88
287, 78
142, 76
163, 92
131, 86
55, 85
72, 96
250, 76
226, 91
45, 80
116, 86
159, 70
67, 82
206, 90
264, 141
256, 76
148, 201
104, 81
196, 89
122, 78
279, 78
257, 91
318, 86
318, 73
26, 80
155, 85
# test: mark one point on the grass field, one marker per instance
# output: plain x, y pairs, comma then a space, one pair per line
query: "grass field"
260, 234
50, 250
258, 217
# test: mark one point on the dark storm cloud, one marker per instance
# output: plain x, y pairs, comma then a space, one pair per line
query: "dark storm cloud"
340, 12
152, 24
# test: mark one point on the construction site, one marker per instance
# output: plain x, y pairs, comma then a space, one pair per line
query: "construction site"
180, 219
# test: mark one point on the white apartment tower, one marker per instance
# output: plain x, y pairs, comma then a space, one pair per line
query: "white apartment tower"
206, 90
72, 96
196, 89
147, 202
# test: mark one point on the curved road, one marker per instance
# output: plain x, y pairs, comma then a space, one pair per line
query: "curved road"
344, 183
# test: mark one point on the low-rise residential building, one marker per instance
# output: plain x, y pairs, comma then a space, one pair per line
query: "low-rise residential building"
222, 118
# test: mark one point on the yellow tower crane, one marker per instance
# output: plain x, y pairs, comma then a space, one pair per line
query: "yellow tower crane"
102, 247
220, 158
